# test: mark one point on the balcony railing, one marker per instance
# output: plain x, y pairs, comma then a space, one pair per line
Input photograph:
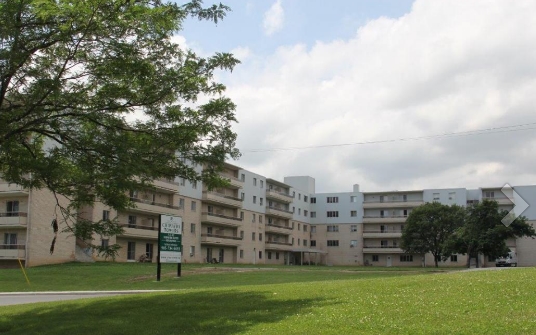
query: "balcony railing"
223, 216
278, 226
280, 193
222, 236
279, 209
278, 242
223, 195
128, 225
394, 231
12, 246
13, 214
149, 202
382, 246
384, 216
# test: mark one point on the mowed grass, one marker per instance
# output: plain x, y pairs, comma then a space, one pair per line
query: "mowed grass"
139, 276
478, 302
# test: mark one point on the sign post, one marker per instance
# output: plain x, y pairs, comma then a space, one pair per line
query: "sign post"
169, 242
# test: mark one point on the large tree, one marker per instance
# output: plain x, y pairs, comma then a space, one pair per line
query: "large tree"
429, 226
96, 99
484, 232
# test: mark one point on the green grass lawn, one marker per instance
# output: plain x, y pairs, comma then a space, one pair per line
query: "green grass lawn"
342, 302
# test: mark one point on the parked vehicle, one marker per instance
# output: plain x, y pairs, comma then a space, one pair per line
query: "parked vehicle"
508, 260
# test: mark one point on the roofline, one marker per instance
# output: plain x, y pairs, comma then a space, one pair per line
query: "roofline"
391, 192
232, 166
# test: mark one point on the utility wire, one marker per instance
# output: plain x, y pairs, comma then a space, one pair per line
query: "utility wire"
505, 129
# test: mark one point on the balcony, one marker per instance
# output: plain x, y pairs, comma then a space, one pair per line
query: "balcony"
279, 196
212, 239
139, 231
500, 201
277, 245
222, 199
12, 190
384, 219
382, 249
12, 251
233, 181
13, 220
389, 233
278, 212
392, 204
277, 229
166, 186
221, 220
148, 206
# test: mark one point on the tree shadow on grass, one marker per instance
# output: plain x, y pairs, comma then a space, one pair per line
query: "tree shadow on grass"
223, 312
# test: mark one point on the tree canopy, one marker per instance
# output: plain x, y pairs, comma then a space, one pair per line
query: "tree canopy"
429, 226
96, 99
484, 232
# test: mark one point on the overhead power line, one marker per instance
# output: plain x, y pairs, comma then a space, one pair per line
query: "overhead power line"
494, 130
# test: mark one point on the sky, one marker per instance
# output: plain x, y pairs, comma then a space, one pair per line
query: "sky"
357, 91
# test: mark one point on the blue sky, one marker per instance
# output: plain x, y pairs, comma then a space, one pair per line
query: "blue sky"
323, 73
306, 21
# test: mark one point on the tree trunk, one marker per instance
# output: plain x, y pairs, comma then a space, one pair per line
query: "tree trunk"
468, 258
435, 261
477, 261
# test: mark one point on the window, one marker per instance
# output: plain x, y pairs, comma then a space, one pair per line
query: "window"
293, 209
209, 230
254, 199
353, 243
353, 228
149, 247
406, 258
253, 236
313, 229
299, 226
242, 195
405, 198
277, 255
269, 254
241, 215
490, 194
105, 242
194, 184
304, 227
293, 194
453, 258
333, 243
253, 218
384, 244
313, 200
260, 254
181, 203
299, 196
333, 214
375, 258
353, 198
313, 243
192, 251
260, 201
260, 218
241, 251
243, 177
12, 208
254, 181
305, 198
241, 234
193, 206
133, 194
333, 200
405, 212
313, 214
105, 215
436, 197
333, 228
210, 209
182, 181
382, 213
299, 211
131, 251
262, 183
192, 228
260, 236
353, 213
132, 221
305, 213
270, 220
304, 243
298, 241
382, 199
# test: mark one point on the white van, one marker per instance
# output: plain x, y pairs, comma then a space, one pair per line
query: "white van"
510, 260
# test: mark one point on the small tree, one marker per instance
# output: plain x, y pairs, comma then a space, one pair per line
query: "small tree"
484, 233
429, 226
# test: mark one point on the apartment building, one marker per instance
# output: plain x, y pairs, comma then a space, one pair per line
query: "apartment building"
254, 220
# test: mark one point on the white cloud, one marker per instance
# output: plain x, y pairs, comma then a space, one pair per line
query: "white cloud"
444, 67
274, 19
241, 53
